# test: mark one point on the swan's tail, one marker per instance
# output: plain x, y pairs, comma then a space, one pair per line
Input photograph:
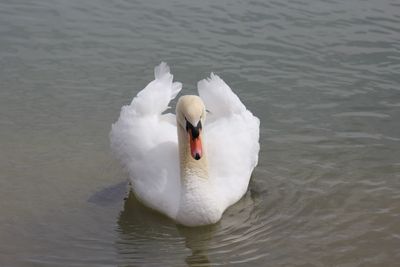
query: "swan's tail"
218, 96
155, 97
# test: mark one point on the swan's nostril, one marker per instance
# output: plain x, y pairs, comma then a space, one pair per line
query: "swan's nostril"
197, 156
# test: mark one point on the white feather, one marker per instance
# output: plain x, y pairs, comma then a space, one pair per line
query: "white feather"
146, 143
232, 135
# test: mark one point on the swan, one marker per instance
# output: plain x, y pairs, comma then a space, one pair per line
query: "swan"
186, 166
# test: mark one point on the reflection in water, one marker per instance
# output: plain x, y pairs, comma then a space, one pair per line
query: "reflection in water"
197, 240
146, 237
150, 238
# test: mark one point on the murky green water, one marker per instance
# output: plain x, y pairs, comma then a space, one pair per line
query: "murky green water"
322, 76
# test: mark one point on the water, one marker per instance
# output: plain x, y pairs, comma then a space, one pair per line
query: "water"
322, 76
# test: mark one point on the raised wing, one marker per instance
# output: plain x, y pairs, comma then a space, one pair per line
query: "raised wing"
145, 142
231, 134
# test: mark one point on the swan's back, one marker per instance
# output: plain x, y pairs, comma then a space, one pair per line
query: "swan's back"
146, 144
232, 134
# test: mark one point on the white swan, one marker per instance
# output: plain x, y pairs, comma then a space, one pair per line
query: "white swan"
184, 166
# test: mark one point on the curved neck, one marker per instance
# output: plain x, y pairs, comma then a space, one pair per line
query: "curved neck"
189, 167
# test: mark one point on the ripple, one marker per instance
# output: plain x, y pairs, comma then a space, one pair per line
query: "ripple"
322, 76
231, 241
362, 114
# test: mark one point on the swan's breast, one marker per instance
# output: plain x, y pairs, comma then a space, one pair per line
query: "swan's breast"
199, 203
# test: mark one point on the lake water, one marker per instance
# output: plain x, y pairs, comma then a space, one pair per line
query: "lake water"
322, 76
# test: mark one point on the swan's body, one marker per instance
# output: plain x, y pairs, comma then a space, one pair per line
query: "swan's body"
189, 168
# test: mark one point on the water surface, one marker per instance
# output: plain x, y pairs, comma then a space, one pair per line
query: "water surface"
322, 76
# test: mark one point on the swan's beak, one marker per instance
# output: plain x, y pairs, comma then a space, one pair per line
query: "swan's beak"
196, 148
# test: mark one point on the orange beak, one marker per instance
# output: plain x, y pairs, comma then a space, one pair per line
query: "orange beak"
196, 148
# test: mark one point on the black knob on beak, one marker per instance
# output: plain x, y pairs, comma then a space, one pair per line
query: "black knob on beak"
194, 131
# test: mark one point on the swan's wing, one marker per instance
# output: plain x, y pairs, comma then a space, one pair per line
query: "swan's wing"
231, 134
145, 142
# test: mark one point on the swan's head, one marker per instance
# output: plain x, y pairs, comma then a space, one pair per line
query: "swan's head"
190, 115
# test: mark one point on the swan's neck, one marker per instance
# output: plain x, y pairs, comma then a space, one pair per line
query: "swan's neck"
191, 169
199, 201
